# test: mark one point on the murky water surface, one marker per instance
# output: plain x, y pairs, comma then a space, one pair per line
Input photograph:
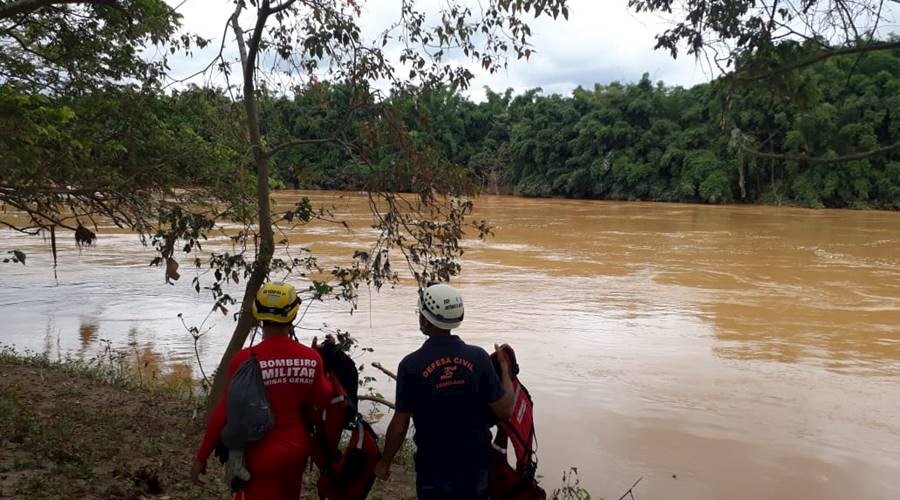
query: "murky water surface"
717, 352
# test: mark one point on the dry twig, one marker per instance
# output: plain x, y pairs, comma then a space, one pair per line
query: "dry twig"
384, 370
630, 491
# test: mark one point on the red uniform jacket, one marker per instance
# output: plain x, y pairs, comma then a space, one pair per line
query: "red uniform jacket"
295, 378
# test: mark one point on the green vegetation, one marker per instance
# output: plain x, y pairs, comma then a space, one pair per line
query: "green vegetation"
712, 143
571, 488
128, 370
84, 128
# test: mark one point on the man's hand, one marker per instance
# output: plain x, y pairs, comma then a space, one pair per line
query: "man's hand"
503, 407
502, 359
383, 470
393, 440
198, 469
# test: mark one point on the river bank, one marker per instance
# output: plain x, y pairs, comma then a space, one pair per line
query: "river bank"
75, 430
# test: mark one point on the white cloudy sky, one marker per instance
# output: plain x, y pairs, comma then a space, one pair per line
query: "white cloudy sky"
601, 42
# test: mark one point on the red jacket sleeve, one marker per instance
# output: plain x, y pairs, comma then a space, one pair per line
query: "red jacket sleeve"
217, 418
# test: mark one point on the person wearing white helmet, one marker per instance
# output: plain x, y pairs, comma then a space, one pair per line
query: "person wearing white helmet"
445, 387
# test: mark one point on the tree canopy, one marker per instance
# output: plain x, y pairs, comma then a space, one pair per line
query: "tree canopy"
84, 130
646, 140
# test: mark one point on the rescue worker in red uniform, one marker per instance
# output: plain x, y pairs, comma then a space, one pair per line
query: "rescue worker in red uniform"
295, 380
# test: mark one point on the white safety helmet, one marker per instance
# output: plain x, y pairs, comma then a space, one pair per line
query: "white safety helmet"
442, 306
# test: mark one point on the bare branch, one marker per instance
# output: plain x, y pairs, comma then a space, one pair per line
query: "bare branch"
218, 57
238, 33
856, 49
36, 215
52, 190
378, 400
813, 159
283, 6
631, 490
298, 142
384, 370
30, 230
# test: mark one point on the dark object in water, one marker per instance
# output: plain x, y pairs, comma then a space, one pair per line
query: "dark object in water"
84, 237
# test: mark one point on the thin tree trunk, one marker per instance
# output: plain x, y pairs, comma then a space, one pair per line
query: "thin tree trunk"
261, 160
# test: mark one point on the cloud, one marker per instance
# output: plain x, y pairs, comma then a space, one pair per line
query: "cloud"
601, 42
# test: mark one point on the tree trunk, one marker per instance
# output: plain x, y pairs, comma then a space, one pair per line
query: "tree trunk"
266, 236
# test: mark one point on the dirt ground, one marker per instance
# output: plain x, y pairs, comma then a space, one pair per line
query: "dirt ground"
63, 435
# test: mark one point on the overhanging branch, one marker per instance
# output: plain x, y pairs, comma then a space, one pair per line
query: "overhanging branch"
376, 399
283, 6
818, 159
27, 48
39, 217
298, 142
29, 230
857, 49
27, 6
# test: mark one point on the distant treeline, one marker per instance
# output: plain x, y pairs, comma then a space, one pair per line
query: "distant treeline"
642, 141
761, 141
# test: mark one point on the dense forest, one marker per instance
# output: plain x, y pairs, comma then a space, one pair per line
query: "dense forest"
808, 140
712, 143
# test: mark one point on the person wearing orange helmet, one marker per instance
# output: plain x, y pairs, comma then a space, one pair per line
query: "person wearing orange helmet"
294, 379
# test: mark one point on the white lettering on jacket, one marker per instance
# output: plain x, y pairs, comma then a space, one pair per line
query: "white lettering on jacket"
288, 371
288, 363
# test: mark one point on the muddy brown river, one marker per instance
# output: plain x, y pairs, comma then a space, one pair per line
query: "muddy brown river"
719, 352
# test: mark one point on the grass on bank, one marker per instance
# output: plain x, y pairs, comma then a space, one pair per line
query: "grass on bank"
98, 429
92, 430
70, 431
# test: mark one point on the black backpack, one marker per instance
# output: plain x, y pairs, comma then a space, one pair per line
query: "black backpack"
249, 418
343, 367
249, 413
